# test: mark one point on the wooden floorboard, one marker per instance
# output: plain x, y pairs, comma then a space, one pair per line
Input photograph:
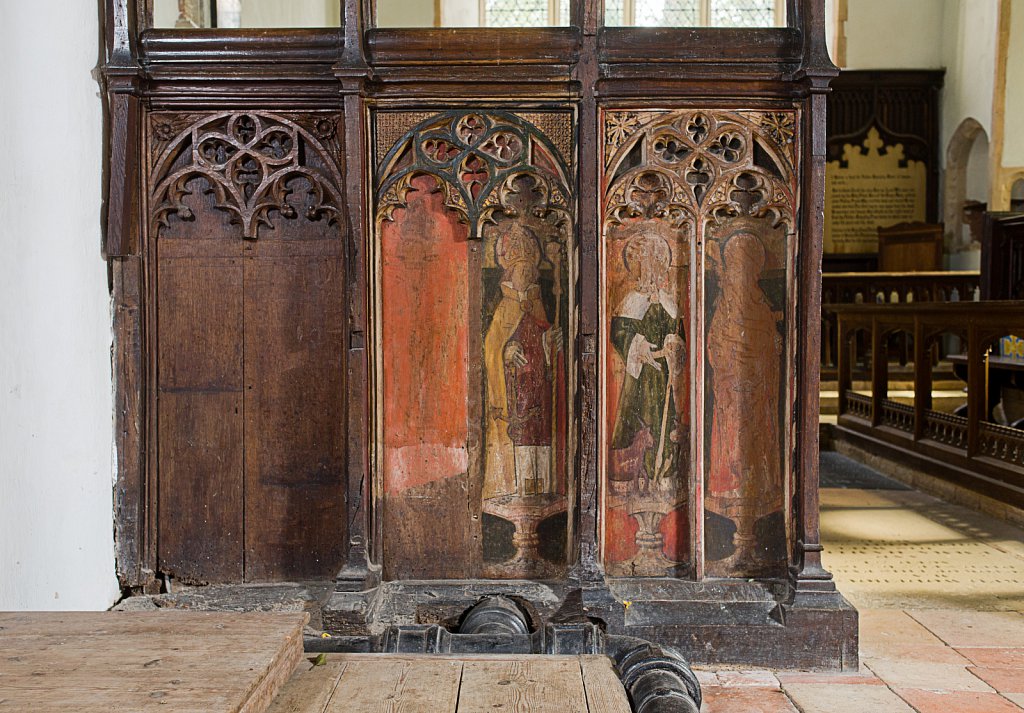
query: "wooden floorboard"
143, 661
402, 683
605, 693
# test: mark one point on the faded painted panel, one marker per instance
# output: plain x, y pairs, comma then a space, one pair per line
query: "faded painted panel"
698, 206
474, 220
425, 356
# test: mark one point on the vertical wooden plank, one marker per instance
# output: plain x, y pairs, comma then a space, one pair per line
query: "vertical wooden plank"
389, 686
200, 419
310, 688
604, 690
294, 418
129, 489
540, 684
200, 316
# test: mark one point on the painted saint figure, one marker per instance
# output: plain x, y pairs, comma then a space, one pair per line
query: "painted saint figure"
520, 352
744, 352
647, 332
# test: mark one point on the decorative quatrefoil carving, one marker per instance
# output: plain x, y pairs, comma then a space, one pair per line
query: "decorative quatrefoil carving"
255, 164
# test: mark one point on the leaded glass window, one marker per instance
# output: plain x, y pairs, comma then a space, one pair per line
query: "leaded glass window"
742, 13
614, 12
695, 13
666, 13
516, 13
525, 13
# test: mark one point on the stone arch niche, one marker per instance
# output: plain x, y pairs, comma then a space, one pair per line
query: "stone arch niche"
474, 225
960, 154
698, 227
1015, 191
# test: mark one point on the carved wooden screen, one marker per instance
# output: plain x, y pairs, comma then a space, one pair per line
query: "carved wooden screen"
698, 235
435, 311
473, 243
245, 225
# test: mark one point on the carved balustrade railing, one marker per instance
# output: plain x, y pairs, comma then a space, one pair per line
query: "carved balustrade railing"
969, 448
889, 288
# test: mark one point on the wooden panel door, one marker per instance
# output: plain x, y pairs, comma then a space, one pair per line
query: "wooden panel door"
249, 326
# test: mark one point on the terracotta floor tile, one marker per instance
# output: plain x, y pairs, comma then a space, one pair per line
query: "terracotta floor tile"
718, 699
828, 698
893, 634
915, 652
1017, 698
958, 701
994, 657
1005, 679
881, 627
963, 628
758, 678
787, 678
706, 678
925, 675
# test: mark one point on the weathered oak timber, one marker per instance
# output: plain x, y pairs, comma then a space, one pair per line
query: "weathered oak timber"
186, 661
225, 251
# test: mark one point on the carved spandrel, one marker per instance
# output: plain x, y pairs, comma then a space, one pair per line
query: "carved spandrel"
261, 170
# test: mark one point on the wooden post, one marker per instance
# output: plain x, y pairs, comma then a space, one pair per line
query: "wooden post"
922, 379
844, 361
879, 372
976, 395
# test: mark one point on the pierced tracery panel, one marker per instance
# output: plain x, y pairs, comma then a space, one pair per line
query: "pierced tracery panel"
699, 209
474, 219
258, 169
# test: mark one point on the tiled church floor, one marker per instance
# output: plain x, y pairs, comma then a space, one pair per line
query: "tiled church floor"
940, 590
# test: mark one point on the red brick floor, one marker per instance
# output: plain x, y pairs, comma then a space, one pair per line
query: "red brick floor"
963, 657
895, 676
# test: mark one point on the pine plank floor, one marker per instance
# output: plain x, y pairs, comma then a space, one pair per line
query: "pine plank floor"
201, 662
378, 683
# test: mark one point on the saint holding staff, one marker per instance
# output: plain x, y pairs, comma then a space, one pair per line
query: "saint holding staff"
647, 333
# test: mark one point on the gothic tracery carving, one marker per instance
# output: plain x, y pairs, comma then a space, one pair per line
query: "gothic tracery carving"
256, 165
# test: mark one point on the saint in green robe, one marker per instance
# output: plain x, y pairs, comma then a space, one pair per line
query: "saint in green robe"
644, 391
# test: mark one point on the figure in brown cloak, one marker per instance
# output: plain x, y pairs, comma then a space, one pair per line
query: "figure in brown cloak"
744, 349
519, 350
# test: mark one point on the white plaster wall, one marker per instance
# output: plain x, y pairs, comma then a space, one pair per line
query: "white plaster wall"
56, 545
165, 13
267, 13
410, 13
895, 34
977, 184
969, 43
460, 13
1013, 143
293, 13
831, 25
